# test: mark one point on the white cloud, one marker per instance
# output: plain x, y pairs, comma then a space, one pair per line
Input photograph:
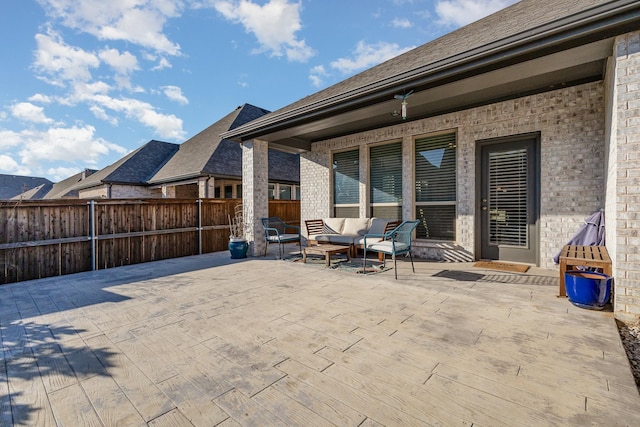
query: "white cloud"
8, 139
274, 24
29, 112
136, 21
368, 55
162, 64
42, 99
401, 23
123, 63
9, 166
174, 93
61, 173
101, 114
462, 12
62, 62
72, 144
163, 125
317, 75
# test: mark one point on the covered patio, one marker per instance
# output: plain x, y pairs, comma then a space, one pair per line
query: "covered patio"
207, 340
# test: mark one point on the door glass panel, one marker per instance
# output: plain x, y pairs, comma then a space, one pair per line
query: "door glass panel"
508, 195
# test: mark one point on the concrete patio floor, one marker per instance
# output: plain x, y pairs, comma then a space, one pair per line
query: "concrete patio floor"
207, 340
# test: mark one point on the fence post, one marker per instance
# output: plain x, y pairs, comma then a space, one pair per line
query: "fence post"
92, 233
199, 226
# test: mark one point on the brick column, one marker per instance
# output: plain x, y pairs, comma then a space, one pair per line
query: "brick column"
625, 146
206, 187
255, 185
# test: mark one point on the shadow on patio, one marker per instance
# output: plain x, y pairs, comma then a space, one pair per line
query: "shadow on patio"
207, 340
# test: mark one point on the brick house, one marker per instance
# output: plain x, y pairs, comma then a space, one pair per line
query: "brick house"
517, 127
127, 178
208, 166
204, 166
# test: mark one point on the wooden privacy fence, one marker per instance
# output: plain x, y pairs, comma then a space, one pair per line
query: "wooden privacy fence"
43, 239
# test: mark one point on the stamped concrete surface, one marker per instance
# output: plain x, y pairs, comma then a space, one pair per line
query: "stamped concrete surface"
208, 341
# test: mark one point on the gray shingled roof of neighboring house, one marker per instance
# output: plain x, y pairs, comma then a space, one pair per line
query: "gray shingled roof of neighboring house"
526, 20
135, 168
13, 185
66, 187
35, 193
56, 190
207, 154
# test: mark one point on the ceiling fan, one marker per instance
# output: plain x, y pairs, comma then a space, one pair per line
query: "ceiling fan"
403, 98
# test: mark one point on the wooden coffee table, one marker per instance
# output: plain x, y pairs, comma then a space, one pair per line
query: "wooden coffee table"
327, 251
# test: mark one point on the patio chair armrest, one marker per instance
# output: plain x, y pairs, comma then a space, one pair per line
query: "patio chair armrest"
295, 227
267, 229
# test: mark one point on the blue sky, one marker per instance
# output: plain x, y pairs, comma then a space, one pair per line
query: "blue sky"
83, 82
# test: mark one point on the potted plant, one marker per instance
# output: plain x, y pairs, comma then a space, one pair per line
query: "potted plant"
238, 245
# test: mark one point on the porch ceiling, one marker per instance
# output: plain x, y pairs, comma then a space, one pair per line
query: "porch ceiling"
445, 93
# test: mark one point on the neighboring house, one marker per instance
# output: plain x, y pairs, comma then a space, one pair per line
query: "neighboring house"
127, 178
59, 190
66, 189
14, 185
208, 166
518, 127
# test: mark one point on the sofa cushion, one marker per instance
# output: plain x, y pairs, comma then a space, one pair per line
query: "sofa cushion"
355, 226
377, 226
338, 239
387, 247
359, 241
333, 225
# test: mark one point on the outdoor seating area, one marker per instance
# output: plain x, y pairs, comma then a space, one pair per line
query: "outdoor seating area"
209, 340
347, 231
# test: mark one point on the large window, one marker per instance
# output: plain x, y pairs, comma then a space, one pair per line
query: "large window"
435, 186
386, 180
346, 184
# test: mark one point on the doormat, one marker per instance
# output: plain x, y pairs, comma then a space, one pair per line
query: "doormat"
502, 266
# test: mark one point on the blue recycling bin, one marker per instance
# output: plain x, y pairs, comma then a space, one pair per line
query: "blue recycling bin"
588, 289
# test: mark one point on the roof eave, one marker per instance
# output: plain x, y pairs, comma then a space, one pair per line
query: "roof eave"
602, 21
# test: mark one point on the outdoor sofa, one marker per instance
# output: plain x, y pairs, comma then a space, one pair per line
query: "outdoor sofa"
346, 231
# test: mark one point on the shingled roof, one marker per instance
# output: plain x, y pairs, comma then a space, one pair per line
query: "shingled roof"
66, 187
136, 168
13, 185
207, 154
525, 30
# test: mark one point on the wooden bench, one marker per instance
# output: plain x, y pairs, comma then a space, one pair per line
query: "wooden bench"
586, 256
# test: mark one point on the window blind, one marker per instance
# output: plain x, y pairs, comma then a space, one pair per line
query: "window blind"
386, 173
346, 177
